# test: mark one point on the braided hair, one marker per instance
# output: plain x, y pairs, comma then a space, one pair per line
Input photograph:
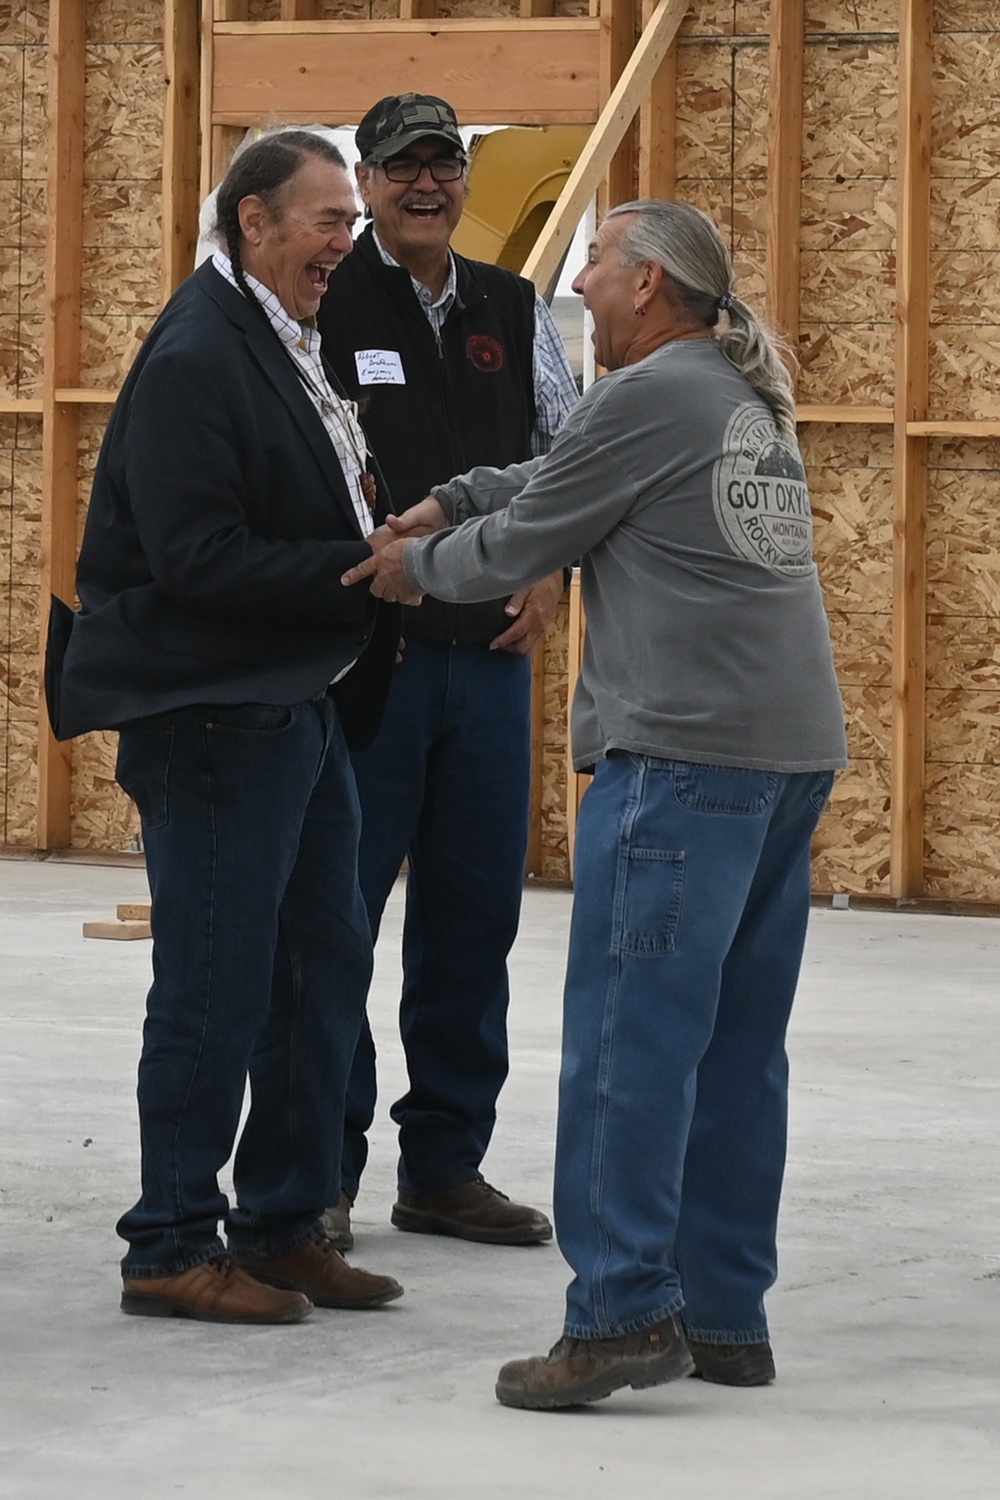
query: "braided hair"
699, 275
262, 170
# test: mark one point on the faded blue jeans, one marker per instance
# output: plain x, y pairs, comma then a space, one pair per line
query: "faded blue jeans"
689, 919
262, 958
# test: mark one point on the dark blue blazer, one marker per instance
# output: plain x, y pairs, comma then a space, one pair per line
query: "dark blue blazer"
218, 528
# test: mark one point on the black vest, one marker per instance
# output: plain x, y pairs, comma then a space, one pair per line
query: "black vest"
468, 396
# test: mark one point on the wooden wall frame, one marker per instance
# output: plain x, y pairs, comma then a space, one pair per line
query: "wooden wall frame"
615, 68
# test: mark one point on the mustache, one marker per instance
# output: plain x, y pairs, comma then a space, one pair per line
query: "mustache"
424, 200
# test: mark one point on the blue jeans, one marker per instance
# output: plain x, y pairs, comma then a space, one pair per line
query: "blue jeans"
446, 785
261, 964
689, 919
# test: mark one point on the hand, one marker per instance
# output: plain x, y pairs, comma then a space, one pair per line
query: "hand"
385, 569
419, 520
535, 609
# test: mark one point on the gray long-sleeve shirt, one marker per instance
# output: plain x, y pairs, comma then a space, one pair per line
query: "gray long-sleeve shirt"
707, 640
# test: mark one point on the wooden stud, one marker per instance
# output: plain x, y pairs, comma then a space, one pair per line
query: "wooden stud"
784, 166
531, 8
657, 163
417, 10
180, 143
576, 784
909, 588
221, 139
60, 421
618, 40
543, 262
299, 10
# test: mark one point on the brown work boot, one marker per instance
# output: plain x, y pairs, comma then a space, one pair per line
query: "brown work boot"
336, 1222
471, 1211
318, 1269
732, 1364
217, 1291
580, 1370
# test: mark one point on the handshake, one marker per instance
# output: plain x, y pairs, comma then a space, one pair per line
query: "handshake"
389, 544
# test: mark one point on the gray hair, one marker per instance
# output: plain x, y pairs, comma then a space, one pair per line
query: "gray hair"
694, 257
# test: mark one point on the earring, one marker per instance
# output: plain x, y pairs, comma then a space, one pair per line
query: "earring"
640, 312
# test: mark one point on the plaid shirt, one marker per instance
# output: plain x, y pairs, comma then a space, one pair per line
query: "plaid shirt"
338, 416
555, 389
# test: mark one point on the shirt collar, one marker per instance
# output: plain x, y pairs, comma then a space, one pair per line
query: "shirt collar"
424, 292
289, 330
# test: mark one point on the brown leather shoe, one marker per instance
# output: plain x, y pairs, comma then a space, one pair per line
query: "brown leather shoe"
733, 1364
577, 1371
336, 1223
318, 1269
471, 1211
217, 1291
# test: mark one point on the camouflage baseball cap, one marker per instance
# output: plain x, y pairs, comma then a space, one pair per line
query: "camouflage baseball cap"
400, 119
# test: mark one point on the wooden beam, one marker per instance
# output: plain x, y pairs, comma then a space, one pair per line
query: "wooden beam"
864, 414
784, 166
909, 574
618, 38
581, 185
983, 429
84, 396
61, 367
180, 143
29, 405
657, 165
536, 72
417, 10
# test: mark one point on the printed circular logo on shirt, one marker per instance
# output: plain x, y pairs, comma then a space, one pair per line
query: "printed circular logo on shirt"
760, 494
485, 353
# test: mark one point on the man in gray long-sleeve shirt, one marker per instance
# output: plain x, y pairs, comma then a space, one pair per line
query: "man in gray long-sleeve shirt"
708, 705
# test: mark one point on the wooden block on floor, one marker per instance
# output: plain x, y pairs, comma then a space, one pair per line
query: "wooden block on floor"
119, 931
133, 911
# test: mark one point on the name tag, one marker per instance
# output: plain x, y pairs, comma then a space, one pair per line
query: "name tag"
379, 367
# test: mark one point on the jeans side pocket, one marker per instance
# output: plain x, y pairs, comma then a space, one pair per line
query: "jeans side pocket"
725, 789
249, 718
651, 901
141, 771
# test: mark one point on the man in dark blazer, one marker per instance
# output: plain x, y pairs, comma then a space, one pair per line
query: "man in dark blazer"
232, 492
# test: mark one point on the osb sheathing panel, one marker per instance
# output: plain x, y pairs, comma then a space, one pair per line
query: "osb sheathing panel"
967, 15
850, 477
851, 848
102, 816
124, 21
962, 859
19, 784
963, 543
22, 21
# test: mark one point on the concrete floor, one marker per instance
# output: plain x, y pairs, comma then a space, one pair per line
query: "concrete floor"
886, 1321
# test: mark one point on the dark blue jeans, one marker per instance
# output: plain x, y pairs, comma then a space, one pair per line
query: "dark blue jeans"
446, 784
689, 918
261, 964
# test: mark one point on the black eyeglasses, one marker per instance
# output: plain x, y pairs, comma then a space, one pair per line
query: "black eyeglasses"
409, 168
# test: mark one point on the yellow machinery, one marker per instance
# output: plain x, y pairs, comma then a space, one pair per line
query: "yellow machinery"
515, 177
